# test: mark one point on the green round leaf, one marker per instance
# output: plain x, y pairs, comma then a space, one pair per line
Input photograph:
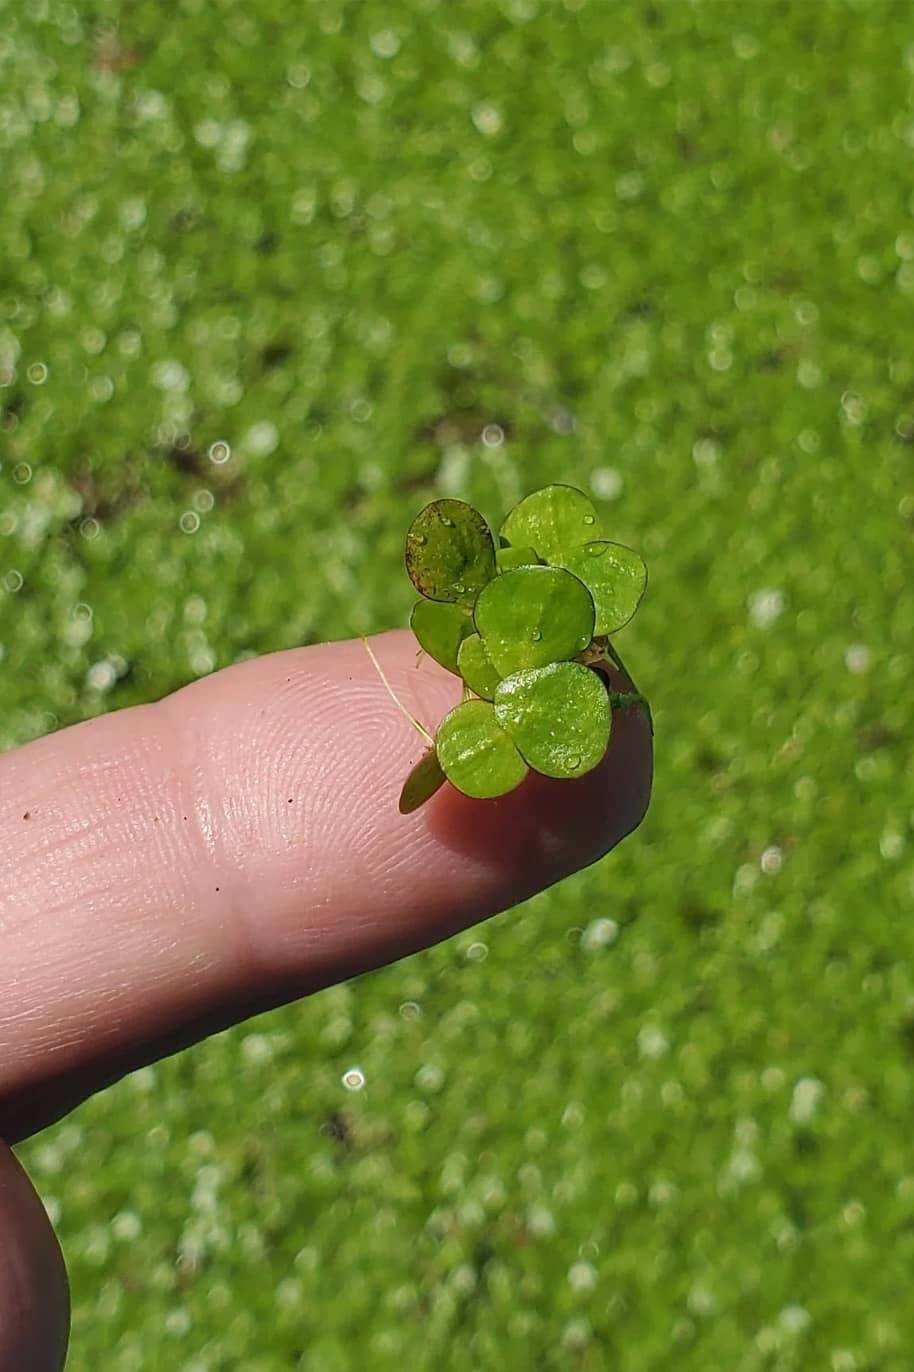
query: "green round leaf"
440, 628
506, 559
559, 716
475, 666
422, 783
476, 754
533, 616
552, 520
450, 554
615, 576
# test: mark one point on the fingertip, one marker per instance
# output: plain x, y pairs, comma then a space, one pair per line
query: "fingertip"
547, 829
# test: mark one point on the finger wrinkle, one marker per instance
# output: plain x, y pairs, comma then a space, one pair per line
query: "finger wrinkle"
104, 853
283, 822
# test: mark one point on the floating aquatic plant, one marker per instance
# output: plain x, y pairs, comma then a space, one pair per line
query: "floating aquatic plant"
526, 627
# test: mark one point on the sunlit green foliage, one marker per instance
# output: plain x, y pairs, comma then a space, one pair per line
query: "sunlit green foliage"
559, 716
552, 521
531, 619
477, 668
272, 277
422, 783
449, 552
531, 616
508, 558
615, 576
476, 753
441, 628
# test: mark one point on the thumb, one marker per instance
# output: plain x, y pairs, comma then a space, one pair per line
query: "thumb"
34, 1298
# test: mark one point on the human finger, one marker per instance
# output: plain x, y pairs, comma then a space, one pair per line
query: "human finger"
171, 868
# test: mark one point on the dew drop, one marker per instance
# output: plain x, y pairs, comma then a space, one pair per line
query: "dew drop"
597, 549
448, 523
536, 635
459, 587
574, 761
589, 519
420, 539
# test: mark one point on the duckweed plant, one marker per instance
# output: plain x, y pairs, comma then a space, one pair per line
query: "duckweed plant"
526, 626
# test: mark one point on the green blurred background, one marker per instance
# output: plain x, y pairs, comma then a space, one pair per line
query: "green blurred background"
272, 276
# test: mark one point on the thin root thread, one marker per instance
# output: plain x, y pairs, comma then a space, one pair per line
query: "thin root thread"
420, 728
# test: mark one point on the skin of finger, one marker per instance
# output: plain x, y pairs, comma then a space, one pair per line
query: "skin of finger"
182, 865
34, 1296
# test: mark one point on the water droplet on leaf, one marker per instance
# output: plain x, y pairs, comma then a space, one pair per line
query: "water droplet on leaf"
420, 538
536, 635
574, 761
597, 549
589, 519
448, 523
